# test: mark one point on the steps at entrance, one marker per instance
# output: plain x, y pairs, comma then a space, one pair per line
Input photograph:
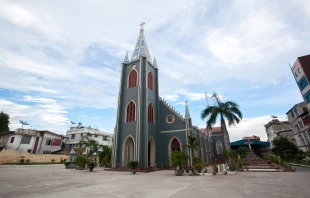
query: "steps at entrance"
261, 168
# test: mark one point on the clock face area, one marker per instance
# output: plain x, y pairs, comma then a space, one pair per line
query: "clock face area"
170, 119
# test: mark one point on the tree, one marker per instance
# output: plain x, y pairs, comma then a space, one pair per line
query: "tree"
224, 111
105, 155
284, 148
4, 122
90, 146
193, 145
178, 158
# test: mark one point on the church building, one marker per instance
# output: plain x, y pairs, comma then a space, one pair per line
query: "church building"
147, 128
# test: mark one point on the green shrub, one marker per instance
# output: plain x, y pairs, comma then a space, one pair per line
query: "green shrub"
53, 160
133, 164
27, 161
65, 160
81, 161
198, 167
239, 163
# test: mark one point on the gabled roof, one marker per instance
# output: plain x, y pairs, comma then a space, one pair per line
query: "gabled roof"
214, 129
141, 48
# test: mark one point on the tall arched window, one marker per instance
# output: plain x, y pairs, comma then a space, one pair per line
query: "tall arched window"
150, 113
132, 80
131, 112
150, 81
219, 147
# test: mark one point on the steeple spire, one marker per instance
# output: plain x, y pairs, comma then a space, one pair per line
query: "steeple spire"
126, 58
141, 47
187, 111
155, 63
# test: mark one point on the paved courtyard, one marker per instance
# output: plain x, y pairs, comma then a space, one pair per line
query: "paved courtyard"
56, 181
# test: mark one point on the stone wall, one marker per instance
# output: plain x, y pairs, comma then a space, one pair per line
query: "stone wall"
11, 156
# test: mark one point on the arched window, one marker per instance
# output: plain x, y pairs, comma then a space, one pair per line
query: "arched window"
219, 147
131, 112
150, 81
132, 80
175, 145
150, 113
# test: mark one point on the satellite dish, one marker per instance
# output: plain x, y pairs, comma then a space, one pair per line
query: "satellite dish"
274, 116
23, 123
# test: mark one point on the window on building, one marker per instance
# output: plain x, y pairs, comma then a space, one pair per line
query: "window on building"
132, 80
296, 74
292, 113
73, 136
150, 115
307, 97
104, 138
299, 70
307, 137
150, 81
219, 147
296, 127
26, 139
301, 139
302, 83
305, 109
131, 112
301, 125
48, 142
12, 139
296, 111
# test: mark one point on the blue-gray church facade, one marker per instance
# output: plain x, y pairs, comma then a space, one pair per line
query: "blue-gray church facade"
147, 128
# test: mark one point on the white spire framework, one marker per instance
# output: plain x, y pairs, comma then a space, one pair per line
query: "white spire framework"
141, 47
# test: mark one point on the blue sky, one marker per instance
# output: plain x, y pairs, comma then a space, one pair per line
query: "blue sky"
60, 60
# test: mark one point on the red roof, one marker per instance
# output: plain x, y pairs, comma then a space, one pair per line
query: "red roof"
214, 129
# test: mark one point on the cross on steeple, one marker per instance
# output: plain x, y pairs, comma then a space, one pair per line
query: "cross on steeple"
249, 144
142, 25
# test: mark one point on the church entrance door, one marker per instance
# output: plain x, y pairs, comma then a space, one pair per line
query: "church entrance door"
128, 151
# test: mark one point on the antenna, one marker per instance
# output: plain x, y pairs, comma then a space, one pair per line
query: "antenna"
23, 123
207, 102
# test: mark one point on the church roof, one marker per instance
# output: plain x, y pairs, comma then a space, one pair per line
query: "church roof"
141, 47
187, 115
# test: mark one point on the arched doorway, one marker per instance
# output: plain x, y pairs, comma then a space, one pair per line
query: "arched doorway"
151, 152
128, 151
174, 145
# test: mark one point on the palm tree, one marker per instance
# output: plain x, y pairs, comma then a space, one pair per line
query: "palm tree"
225, 111
106, 154
193, 145
89, 145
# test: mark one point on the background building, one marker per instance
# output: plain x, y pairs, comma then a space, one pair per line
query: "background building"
78, 133
276, 128
299, 119
32, 141
301, 72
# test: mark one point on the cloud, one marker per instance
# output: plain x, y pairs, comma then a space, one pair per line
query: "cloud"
42, 113
251, 126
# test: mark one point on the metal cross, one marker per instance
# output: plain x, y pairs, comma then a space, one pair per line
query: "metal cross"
249, 144
142, 25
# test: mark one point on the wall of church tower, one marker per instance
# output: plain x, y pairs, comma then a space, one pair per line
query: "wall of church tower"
140, 130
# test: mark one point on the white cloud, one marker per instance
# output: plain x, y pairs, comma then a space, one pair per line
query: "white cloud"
252, 126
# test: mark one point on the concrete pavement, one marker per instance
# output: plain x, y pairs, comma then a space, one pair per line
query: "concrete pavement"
56, 181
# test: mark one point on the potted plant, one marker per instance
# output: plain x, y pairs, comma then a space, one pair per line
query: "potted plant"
187, 170
66, 165
215, 169
133, 165
80, 162
178, 158
239, 162
198, 167
91, 166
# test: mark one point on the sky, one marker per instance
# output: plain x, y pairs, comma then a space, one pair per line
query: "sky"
60, 60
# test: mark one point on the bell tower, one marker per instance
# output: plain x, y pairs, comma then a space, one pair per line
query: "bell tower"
137, 123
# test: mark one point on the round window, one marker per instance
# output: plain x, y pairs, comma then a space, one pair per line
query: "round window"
170, 119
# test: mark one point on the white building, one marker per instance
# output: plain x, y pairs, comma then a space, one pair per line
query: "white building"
32, 141
299, 119
276, 128
78, 133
